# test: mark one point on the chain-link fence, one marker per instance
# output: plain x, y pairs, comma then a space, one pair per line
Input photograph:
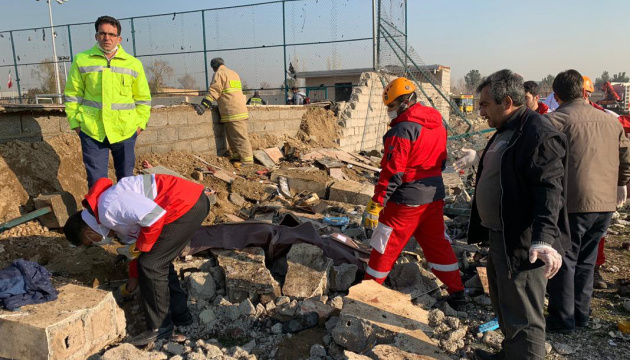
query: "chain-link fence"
267, 44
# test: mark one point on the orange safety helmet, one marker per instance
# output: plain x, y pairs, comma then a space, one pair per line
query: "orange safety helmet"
588, 84
399, 86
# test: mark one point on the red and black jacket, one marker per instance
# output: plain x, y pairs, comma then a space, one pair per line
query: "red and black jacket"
542, 108
415, 155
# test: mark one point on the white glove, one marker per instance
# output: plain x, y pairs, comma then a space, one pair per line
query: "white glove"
548, 255
622, 195
469, 159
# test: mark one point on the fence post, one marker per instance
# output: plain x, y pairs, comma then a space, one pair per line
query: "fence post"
17, 75
374, 50
205, 53
406, 43
378, 34
284, 46
133, 38
70, 44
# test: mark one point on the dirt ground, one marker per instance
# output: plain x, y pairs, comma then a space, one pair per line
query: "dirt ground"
319, 128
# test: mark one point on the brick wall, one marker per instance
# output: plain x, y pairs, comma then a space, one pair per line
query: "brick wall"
176, 128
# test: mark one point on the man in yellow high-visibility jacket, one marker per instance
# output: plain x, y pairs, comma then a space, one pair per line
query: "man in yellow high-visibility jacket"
108, 102
227, 90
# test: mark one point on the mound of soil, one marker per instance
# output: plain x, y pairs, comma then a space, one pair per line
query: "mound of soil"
319, 127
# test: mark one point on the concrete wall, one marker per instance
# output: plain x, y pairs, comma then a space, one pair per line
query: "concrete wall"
176, 128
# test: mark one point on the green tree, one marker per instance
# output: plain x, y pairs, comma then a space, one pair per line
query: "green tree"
620, 77
601, 80
472, 79
546, 85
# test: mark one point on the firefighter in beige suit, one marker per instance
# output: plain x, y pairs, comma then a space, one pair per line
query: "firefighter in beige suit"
227, 90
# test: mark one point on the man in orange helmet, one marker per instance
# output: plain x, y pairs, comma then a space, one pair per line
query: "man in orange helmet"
408, 198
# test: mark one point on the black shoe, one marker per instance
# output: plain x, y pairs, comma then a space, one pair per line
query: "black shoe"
480, 354
598, 281
457, 300
150, 336
563, 331
185, 319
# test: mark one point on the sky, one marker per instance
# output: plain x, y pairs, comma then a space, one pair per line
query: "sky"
531, 38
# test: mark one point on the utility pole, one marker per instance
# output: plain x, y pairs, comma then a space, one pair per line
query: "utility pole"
55, 58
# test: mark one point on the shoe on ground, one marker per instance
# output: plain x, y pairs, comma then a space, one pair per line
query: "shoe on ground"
185, 319
151, 336
598, 281
457, 300
480, 354
563, 331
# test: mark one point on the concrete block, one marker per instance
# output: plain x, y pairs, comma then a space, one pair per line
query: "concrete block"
167, 133
161, 148
193, 132
200, 145
79, 323
304, 180
351, 192
158, 118
307, 273
44, 125
283, 114
181, 118
147, 137
62, 205
10, 126
181, 146
143, 149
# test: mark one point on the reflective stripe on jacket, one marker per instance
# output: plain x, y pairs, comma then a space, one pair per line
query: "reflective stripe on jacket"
227, 90
107, 98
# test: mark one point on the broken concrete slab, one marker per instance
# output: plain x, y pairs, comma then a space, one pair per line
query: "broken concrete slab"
62, 205
342, 276
274, 154
162, 170
307, 179
130, 352
387, 352
483, 277
245, 271
263, 158
349, 355
201, 286
393, 313
453, 183
223, 176
352, 192
307, 273
323, 310
336, 173
411, 278
79, 323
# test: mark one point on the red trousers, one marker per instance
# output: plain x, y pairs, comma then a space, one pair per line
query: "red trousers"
601, 257
397, 223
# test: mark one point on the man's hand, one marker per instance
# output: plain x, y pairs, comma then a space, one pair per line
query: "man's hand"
199, 109
129, 251
549, 256
77, 130
622, 195
138, 131
370, 216
469, 158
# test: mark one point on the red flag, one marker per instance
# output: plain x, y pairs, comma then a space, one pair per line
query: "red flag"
9, 83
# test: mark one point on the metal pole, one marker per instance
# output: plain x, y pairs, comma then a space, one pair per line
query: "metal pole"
17, 75
133, 37
378, 34
374, 50
406, 43
284, 46
70, 44
55, 60
205, 54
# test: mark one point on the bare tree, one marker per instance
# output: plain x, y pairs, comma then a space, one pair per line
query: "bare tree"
459, 87
158, 72
45, 73
188, 82
265, 85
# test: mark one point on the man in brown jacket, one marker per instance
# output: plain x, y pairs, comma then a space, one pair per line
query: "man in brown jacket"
227, 90
598, 169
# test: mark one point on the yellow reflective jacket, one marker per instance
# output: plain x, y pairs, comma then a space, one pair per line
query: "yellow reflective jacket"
107, 98
227, 90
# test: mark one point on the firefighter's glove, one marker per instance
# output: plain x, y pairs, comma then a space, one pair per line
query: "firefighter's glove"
469, 158
622, 195
370, 216
201, 108
548, 255
129, 251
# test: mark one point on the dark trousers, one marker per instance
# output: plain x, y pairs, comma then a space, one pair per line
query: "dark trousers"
518, 303
96, 157
570, 291
162, 295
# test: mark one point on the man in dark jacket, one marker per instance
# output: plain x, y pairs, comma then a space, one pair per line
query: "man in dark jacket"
518, 210
410, 191
598, 171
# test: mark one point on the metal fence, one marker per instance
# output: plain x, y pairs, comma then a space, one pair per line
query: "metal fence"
262, 42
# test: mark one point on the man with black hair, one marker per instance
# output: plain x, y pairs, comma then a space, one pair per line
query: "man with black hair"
518, 211
227, 90
532, 98
164, 211
108, 102
598, 170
